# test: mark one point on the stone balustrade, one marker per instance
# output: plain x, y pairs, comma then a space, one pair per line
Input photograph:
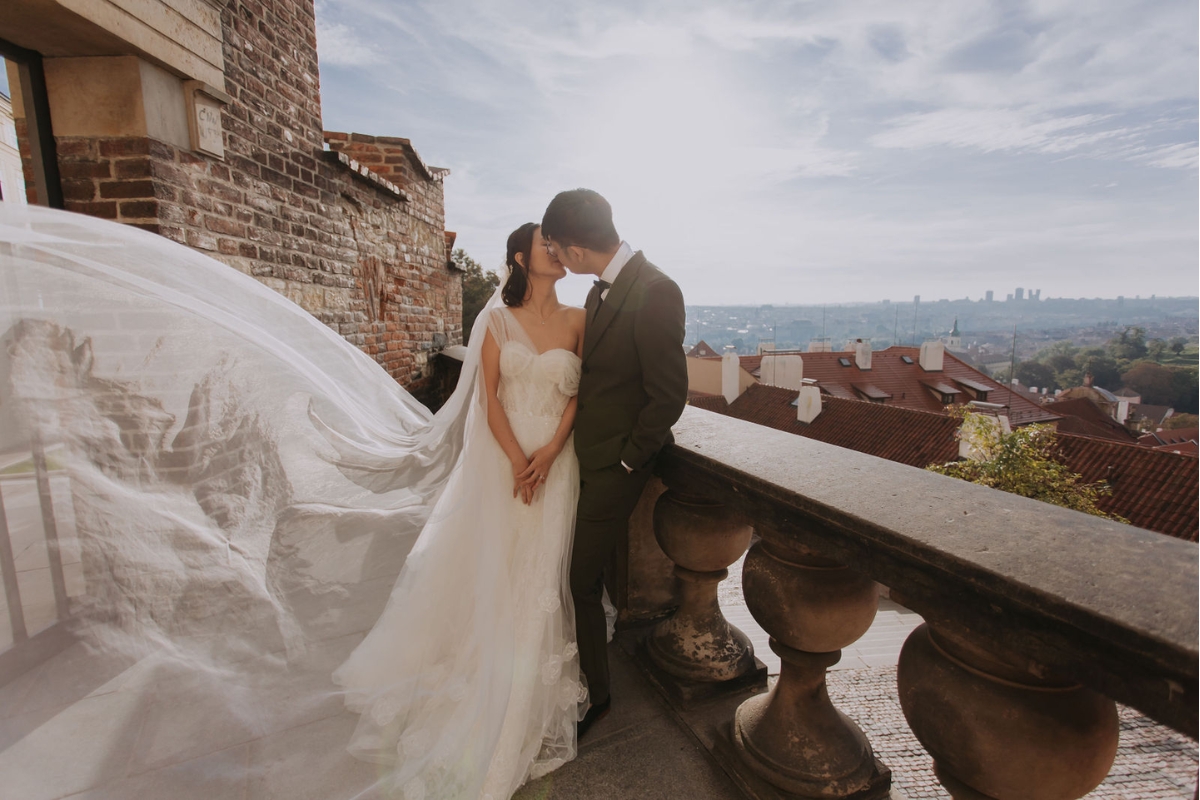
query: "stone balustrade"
1037, 618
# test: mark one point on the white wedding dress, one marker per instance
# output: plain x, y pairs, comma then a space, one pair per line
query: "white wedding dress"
469, 694
239, 497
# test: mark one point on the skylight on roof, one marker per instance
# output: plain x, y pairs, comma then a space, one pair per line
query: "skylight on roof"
845, 362
906, 359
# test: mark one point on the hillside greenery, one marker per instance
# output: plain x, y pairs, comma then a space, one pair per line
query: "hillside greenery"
1163, 372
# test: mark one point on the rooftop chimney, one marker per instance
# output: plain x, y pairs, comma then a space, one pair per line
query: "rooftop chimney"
786, 372
808, 404
1088, 379
820, 346
862, 354
766, 347
731, 377
932, 355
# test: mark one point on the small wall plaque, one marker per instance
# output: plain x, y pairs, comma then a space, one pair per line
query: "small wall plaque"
204, 118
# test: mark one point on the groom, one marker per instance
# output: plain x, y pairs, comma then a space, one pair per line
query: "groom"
632, 390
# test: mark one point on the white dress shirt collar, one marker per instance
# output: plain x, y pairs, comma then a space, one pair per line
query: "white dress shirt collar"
619, 260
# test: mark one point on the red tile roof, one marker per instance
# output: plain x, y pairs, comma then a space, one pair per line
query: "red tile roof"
906, 382
916, 438
1186, 448
1153, 489
703, 350
1084, 417
709, 402
1169, 436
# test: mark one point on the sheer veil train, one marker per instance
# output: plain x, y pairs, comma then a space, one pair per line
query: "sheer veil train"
238, 488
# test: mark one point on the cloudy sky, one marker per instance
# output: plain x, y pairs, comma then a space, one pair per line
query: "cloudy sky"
772, 152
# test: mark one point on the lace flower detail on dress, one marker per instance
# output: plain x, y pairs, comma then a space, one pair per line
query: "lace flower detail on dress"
414, 743
552, 670
385, 709
571, 693
549, 601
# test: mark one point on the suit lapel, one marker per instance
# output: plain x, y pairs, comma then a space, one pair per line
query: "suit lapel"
604, 315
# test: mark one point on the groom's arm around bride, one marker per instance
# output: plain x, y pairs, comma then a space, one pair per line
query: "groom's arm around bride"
632, 390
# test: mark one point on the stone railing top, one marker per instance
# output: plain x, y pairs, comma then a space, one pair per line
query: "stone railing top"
1114, 604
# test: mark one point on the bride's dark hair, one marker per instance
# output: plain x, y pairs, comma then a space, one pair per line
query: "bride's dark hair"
519, 241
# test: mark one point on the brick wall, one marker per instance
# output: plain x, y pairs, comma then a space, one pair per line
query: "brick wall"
369, 263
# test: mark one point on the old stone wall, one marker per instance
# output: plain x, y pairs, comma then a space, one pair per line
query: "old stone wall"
366, 259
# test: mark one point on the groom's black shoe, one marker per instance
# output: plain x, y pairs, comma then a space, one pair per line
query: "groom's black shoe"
593, 715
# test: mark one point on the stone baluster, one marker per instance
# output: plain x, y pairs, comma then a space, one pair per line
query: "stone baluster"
793, 737
697, 644
999, 728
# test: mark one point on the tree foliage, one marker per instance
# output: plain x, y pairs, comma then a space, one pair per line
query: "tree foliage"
1035, 373
478, 287
1176, 421
1152, 381
1021, 462
1128, 359
1129, 345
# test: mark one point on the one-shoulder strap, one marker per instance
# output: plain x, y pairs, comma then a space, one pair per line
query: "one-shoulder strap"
505, 328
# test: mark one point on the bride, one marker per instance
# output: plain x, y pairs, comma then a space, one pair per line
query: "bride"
240, 496
471, 674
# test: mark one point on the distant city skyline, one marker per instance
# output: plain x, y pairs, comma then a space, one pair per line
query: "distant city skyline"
804, 152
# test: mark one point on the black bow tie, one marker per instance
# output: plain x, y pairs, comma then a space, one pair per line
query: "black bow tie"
603, 285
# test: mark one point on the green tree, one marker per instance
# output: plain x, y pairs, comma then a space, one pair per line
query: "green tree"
1185, 390
1021, 462
1176, 421
1178, 344
1154, 382
1035, 373
1129, 345
1156, 349
1106, 373
478, 287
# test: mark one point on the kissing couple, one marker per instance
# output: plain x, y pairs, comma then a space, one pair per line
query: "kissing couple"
489, 660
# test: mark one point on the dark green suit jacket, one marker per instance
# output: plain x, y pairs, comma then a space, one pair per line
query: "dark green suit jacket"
634, 382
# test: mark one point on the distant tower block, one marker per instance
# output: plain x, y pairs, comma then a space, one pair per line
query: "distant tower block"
1020, 293
1035, 294
990, 296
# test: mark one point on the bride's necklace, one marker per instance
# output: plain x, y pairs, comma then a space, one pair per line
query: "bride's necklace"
543, 319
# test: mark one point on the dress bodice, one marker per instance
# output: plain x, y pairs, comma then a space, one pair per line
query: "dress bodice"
536, 384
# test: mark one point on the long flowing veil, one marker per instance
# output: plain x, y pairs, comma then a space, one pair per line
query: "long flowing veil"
207, 496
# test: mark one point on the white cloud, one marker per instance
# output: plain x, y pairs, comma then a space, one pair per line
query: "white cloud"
338, 45
815, 147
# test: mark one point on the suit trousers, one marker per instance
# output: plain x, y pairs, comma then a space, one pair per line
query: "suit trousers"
607, 498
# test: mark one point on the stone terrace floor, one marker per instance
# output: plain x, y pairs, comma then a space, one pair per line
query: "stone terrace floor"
643, 748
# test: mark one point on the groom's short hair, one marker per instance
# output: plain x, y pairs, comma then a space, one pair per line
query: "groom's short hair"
582, 218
